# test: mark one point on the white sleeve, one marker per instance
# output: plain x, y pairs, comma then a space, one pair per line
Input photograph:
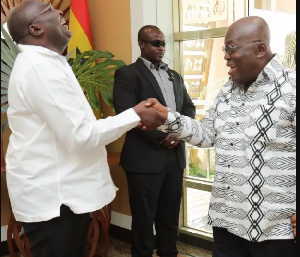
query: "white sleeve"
62, 107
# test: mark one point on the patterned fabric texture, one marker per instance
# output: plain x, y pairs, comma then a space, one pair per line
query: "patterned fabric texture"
254, 134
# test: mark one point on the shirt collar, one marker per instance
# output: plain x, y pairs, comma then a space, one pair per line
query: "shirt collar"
38, 49
162, 65
269, 72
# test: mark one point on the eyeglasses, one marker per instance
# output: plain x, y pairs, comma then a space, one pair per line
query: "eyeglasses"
156, 42
230, 49
49, 7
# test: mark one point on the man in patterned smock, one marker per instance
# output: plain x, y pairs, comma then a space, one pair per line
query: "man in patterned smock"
252, 125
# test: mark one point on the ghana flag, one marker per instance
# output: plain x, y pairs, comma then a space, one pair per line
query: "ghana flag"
79, 25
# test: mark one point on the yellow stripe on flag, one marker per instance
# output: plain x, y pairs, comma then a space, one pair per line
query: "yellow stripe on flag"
78, 38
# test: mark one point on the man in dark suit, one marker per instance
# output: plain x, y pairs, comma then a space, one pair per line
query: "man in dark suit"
153, 161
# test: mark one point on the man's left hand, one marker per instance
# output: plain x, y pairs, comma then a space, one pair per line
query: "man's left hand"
170, 141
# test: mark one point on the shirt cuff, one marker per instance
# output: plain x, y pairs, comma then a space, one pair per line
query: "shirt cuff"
165, 127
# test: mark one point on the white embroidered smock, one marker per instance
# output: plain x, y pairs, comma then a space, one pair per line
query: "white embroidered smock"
254, 134
56, 153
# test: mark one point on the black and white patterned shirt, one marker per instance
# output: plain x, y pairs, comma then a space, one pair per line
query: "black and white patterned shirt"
254, 133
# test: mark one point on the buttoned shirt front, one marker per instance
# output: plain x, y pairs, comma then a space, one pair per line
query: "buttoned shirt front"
56, 153
254, 133
164, 81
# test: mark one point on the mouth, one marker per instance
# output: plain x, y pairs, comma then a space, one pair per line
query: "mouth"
63, 23
161, 54
232, 69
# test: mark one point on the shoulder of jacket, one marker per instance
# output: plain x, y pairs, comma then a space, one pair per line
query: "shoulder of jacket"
127, 66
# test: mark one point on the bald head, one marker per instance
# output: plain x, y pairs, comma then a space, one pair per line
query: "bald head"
247, 44
38, 23
20, 17
145, 31
249, 29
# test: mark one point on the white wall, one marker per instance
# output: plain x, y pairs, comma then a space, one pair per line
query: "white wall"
281, 24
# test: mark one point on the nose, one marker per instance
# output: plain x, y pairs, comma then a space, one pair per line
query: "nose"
60, 12
226, 55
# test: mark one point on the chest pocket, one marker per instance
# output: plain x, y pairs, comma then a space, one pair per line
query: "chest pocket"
262, 123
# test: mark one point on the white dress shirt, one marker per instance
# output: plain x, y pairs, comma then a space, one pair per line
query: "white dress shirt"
254, 133
56, 153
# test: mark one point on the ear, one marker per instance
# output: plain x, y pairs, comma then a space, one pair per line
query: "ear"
141, 44
262, 49
36, 29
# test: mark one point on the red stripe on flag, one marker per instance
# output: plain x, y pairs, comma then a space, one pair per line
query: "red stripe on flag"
80, 11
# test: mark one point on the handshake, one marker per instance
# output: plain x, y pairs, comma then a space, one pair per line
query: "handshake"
152, 114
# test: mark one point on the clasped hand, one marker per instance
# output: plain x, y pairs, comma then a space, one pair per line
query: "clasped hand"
152, 114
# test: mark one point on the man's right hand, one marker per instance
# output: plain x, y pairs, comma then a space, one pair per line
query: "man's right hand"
150, 118
158, 107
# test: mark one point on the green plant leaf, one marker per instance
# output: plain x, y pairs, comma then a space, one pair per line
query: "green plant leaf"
85, 62
68, 56
9, 52
100, 76
4, 77
94, 71
4, 108
4, 99
6, 69
102, 68
3, 85
10, 43
6, 55
91, 96
106, 94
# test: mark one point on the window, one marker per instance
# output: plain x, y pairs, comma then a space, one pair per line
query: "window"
199, 30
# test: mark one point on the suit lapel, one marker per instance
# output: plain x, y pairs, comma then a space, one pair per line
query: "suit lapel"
150, 77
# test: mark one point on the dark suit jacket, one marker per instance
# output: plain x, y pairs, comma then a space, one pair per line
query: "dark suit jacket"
142, 151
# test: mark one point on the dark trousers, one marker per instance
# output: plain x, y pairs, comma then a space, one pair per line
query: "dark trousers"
155, 199
228, 245
63, 236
